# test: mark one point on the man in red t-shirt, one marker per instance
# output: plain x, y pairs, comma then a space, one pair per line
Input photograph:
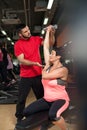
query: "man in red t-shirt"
26, 50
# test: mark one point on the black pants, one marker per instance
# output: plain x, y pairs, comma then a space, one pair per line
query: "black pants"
11, 74
43, 105
24, 88
3, 72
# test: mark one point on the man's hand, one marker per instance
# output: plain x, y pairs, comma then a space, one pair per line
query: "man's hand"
38, 64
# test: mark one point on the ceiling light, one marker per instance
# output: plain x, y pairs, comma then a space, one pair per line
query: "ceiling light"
42, 32
50, 3
8, 38
3, 32
45, 21
12, 43
65, 44
70, 42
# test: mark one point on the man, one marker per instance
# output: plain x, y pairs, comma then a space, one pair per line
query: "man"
27, 52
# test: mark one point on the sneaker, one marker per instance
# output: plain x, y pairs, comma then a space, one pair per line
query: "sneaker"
13, 81
20, 119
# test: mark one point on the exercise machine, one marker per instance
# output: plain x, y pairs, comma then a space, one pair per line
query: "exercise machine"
9, 95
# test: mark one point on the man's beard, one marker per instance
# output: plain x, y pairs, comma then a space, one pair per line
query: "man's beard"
26, 37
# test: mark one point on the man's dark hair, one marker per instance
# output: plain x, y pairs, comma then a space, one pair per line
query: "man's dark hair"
20, 26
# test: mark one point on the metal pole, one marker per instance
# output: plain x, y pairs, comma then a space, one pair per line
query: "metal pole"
25, 10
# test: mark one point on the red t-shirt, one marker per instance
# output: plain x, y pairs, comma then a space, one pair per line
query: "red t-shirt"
30, 49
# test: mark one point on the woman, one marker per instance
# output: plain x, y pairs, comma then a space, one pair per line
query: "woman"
54, 77
3, 65
10, 72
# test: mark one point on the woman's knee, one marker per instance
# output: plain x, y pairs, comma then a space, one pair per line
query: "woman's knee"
52, 116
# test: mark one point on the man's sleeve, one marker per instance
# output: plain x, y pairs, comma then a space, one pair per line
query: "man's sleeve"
40, 40
17, 49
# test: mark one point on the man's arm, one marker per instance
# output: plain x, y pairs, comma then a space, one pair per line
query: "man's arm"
27, 62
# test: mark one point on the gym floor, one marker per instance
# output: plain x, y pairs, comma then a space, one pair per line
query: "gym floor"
8, 120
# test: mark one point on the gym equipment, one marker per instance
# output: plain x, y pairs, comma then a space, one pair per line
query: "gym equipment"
8, 95
6, 98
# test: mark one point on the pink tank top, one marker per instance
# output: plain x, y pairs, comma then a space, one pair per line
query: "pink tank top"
54, 91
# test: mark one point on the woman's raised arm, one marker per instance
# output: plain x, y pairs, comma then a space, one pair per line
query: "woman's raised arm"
48, 42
